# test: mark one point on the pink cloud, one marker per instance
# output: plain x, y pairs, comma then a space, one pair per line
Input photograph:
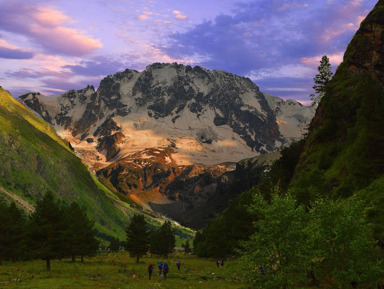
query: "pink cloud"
334, 59
334, 32
48, 27
179, 15
49, 17
142, 17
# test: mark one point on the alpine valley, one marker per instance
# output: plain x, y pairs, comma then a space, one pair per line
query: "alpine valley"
176, 139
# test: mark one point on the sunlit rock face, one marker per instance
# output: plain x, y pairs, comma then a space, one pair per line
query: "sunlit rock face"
169, 121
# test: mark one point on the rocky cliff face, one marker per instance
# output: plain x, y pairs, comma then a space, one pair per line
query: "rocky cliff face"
344, 150
160, 135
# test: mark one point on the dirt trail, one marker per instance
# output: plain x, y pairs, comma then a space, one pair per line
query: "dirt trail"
19, 201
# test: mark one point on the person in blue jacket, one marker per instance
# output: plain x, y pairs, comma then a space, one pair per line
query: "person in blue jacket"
165, 270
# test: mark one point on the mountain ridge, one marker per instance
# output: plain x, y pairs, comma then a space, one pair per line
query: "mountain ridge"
167, 134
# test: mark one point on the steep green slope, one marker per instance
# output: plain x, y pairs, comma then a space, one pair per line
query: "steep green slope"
344, 150
34, 159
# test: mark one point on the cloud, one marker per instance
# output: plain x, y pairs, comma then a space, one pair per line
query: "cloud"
179, 15
334, 59
267, 38
47, 27
97, 66
8, 51
142, 17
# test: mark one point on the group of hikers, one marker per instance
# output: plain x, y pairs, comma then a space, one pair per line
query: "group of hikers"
163, 268
218, 262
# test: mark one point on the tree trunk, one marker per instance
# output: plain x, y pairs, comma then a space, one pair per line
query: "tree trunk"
48, 264
137, 258
73, 258
82, 259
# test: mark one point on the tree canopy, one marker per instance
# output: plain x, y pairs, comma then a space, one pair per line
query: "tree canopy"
331, 243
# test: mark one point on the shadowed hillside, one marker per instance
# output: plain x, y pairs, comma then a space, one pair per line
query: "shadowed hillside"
344, 150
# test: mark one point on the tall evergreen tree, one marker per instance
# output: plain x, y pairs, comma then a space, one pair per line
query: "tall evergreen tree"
137, 237
80, 233
114, 245
16, 232
47, 229
321, 80
187, 247
166, 239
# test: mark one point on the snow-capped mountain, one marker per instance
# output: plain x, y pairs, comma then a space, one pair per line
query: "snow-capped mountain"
207, 117
141, 130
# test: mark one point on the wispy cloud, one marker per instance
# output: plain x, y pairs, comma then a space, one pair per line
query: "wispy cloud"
8, 51
47, 27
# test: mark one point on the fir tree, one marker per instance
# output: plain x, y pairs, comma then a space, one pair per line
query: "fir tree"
187, 247
80, 235
321, 80
114, 245
166, 239
16, 232
47, 229
137, 237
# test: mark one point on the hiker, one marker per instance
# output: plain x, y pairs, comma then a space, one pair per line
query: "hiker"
222, 263
150, 270
217, 263
160, 266
165, 270
178, 265
262, 271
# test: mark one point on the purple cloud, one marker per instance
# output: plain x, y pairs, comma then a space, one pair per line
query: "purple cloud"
98, 66
12, 53
268, 34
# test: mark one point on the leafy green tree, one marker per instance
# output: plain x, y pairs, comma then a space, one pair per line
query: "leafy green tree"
279, 245
341, 245
114, 245
47, 229
137, 237
321, 79
80, 234
329, 245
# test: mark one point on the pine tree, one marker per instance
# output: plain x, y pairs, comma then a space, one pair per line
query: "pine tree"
80, 235
166, 239
47, 229
187, 247
321, 80
114, 245
16, 225
137, 237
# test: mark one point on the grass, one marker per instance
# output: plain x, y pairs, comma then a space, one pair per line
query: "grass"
34, 159
118, 270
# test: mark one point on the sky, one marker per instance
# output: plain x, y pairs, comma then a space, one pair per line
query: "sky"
52, 46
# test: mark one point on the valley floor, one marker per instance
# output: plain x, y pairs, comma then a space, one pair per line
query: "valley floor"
118, 270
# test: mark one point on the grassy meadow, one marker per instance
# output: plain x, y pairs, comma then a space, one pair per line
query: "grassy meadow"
118, 270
